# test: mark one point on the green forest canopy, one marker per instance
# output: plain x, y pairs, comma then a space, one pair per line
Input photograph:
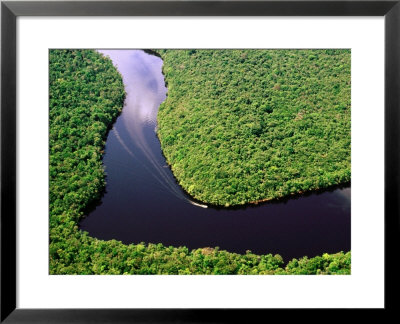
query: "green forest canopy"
242, 126
86, 96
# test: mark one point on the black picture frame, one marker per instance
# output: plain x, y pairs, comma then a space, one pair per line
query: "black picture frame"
10, 10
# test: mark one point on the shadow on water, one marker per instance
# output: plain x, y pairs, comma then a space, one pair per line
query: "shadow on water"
142, 201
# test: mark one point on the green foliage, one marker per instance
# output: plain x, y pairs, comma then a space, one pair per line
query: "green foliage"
86, 95
339, 263
242, 126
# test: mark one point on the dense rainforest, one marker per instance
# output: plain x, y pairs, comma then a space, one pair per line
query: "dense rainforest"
86, 96
241, 126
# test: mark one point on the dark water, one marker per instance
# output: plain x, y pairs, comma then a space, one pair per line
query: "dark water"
143, 203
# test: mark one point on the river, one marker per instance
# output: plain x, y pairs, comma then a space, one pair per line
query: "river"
143, 202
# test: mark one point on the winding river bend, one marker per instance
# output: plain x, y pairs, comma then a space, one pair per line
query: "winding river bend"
143, 202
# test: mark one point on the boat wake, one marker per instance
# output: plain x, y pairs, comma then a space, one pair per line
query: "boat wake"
145, 92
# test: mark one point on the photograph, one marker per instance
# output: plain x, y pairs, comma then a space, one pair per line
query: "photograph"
199, 161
